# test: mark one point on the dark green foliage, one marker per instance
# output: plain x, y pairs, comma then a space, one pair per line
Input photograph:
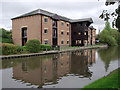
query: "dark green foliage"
8, 49
5, 36
24, 47
33, 46
19, 48
45, 47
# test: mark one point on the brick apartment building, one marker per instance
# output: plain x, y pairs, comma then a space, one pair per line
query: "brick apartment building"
52, 29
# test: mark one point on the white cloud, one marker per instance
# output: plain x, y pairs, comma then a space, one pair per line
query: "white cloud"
74, 9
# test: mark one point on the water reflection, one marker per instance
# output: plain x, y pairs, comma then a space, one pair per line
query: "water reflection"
47, 70
40, 70
109, 54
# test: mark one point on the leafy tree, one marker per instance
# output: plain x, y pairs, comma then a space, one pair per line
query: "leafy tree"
109, 36
107, 26
5, 36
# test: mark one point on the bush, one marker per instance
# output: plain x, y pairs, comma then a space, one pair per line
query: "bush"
24, 47
33, 45
19, 48
45, 47
8, 49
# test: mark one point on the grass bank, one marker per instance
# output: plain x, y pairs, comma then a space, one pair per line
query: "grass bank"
64, 48
110, 81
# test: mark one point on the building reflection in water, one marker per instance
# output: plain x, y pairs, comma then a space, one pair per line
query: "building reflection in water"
49, 69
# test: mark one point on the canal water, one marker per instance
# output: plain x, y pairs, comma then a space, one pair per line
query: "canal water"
65, 70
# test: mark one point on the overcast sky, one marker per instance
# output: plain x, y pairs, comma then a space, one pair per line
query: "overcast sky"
74, 9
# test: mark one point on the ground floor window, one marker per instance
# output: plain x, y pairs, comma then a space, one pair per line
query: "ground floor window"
46, 41
67, 41
24, 35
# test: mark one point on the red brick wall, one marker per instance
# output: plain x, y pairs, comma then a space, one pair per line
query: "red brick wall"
33, 24
47, 25
65, 29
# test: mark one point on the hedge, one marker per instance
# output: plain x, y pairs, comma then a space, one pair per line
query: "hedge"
45, 47
8, 48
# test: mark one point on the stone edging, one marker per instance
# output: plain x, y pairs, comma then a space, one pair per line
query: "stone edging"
46, 53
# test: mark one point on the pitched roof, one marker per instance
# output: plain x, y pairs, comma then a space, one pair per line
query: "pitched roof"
52, 15
81, 20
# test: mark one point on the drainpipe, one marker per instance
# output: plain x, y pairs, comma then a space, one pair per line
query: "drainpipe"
41, 29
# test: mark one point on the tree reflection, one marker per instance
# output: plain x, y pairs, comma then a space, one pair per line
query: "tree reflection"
108, 54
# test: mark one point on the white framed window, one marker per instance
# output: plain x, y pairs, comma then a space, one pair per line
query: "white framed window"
67, 24
45, 19
62, 32
67, 32
45, 41
45, 30
62, 24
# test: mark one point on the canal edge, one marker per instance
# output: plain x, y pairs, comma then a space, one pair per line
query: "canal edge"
46, 53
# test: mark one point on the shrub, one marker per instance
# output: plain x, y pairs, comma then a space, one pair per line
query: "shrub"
45, 47
33, 45
8, 49
19, 48
24, 47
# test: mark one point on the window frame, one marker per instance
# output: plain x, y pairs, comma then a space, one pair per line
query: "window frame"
45, 42
62, 23
46, 19
67, 33
45, 29
67, 25
62, 31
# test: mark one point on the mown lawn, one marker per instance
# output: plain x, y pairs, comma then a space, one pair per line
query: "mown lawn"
64, 48
110, 81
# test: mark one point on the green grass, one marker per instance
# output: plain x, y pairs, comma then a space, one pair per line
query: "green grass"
64, 48
109, 81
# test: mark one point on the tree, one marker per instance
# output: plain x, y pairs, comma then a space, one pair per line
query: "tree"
5, 36
109, 36
107, 26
